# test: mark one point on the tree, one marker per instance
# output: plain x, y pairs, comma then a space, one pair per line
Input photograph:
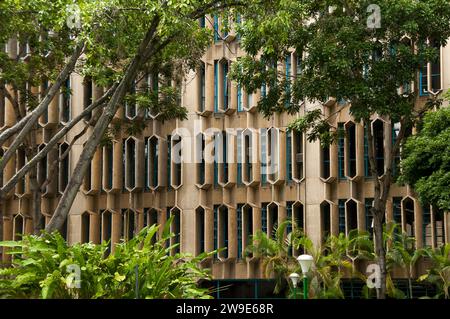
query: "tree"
171, 36
426, 160
346, 56
164, 39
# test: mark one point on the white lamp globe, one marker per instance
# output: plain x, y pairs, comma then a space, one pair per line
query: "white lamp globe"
294, 278
305, 262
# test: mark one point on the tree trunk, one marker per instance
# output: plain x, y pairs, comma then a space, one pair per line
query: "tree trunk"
28, 123
51, 144
380, 250
66, 201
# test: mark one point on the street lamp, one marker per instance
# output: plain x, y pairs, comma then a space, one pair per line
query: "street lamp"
294, 278
305, 262
397, 127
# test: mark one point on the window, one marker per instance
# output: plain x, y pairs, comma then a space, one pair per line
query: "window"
287, 63
397, 210
341, 209
223, 231
223, 158
216, 28
128, 224
263, 138
264, 217
150, 217
42, 167
351, 216
217, 147
216, 86
288, 156
325, 215
169, 160
175, 228
426, 226
408, 213
273, 149
240, 107
108, 156
20, 162
396, 163
378, 136
152, 162
436, 70
216, 228
341, 147
201, 163
106, 229
367, 172
65, 104
202, 87
85, 225
42, 93
298, 59
325, 171
239, 231
152, 89
298, 155
64, 168
200, 230
130, 163
225, 86
250, 101
439, 233
87, 96
239, 157
18, 227
202, 22
272, 219
130, 103
351, 149
176, 161
248, 157
369, 218
247, 226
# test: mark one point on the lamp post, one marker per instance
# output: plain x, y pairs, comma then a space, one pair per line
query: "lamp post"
294, 278
305, 262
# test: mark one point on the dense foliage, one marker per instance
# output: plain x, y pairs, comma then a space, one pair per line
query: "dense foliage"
426, 160
40, 269
343, 257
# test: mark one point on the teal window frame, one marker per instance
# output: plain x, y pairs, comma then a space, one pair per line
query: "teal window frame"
216, 28
239, 230
288, 63
263, 136
240, 107
216, 86
225, 85
215, 230
341, 208
264, 217
289, 156
368, 203
341, 152
239, 157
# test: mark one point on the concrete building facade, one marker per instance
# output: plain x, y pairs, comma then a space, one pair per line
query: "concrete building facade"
240, 173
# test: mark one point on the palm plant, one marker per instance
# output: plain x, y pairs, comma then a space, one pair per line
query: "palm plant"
403, 254
439, 273
276, 261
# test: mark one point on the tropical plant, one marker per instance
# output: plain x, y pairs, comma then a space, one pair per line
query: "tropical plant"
40, 269
403, 254
348, 62
439, 273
